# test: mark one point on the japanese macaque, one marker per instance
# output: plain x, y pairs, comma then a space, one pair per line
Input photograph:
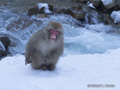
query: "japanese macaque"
45, 47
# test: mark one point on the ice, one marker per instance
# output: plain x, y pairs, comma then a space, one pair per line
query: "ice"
73, 72
45, 5
115, 15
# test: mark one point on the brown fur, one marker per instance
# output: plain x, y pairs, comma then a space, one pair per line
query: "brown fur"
40, 52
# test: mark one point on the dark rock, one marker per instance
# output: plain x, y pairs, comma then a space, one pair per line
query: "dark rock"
3, 54
117, 2
60, 10
80, 15
50, 7
83, 1
76, 12
96, 3
77, 8
70, 12
107, 19
6, 42
35, 11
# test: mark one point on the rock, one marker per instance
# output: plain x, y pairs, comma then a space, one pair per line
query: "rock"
107, 4
77, 8
117, 2
107, 19
20, 23
50, 7
70, 12
83, 1
60, 10
79, 15
35, 11
96, 3
3, 54
76, 12
42, 15
5, 41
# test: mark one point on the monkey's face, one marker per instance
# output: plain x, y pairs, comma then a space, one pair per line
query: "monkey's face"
53, 34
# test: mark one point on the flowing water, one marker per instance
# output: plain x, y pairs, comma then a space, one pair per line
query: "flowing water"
89, 39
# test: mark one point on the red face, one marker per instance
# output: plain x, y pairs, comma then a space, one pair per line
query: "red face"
53, 34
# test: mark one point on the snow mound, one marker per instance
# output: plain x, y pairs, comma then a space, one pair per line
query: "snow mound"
115, 15
73, 72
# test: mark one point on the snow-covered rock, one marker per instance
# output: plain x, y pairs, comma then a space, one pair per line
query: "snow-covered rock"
115, 15
108, 3
46, 7
73, 72
96, 3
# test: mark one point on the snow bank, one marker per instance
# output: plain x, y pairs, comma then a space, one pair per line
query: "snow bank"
45, 5
115, 15
73, 72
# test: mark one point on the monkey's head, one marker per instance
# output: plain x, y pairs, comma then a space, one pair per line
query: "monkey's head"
55, 31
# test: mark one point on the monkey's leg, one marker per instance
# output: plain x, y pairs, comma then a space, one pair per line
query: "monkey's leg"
51, 67
37, 61
52, 59
43, 67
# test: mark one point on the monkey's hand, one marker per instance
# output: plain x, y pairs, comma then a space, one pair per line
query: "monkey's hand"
27, 62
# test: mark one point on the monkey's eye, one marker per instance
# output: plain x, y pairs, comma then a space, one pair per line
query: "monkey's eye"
53, 31
56, 32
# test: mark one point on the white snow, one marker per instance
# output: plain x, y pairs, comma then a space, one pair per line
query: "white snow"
107, 2
73, 72
91, 5
45, 5
115, 15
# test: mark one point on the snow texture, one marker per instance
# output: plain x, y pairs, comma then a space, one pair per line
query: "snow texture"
73, 72
107, 2
115, 15
45, 5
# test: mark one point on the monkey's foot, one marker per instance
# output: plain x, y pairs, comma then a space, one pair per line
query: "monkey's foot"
43, 67
27, 62
51, 67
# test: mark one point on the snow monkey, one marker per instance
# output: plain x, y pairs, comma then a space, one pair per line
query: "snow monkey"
45, 47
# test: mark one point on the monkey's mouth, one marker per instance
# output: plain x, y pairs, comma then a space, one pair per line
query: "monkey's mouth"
52, 37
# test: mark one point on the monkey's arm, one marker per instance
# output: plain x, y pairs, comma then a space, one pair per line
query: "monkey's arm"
55, 54
30, 51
